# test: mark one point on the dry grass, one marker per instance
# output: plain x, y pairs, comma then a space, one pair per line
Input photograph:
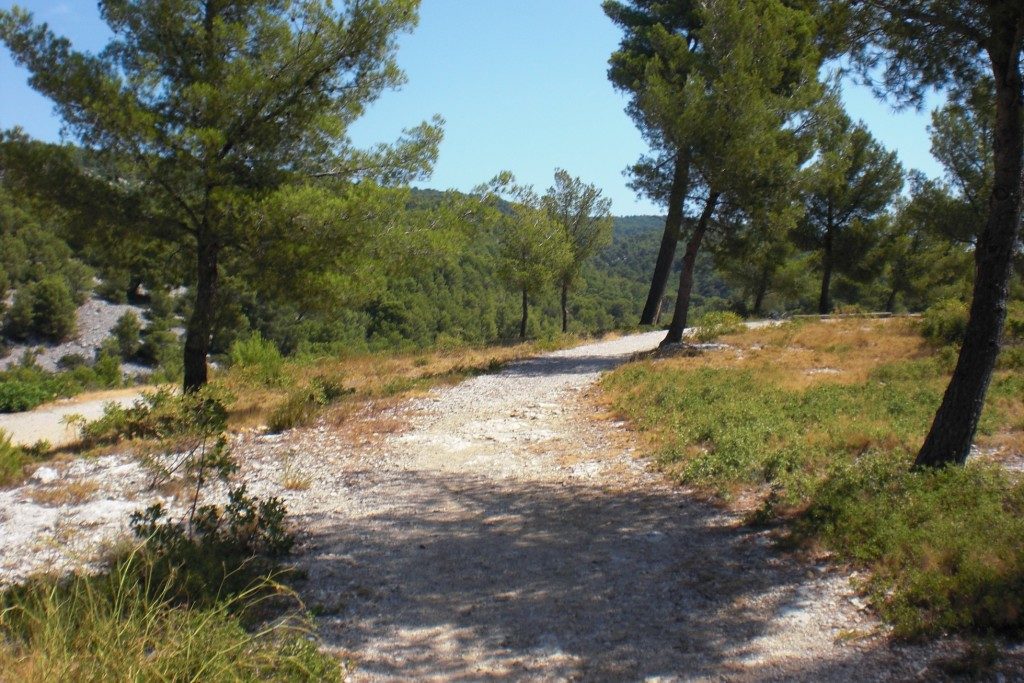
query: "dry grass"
801, 355
64, 493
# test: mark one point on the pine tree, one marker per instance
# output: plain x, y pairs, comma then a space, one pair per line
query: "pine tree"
210, 107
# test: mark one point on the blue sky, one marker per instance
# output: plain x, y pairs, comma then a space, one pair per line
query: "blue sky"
521, 84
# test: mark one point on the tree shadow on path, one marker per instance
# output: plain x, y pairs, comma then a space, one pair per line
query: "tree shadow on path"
457, 578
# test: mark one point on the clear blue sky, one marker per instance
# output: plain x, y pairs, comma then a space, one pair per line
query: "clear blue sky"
521, 84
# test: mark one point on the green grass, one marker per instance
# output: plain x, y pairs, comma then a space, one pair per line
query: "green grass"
823, 431
26, 386
116, 627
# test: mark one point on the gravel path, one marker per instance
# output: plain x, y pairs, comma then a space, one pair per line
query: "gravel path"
507, 534
498, 529
47, 422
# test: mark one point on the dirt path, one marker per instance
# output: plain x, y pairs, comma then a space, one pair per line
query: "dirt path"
47, 421
498, 530
503, 536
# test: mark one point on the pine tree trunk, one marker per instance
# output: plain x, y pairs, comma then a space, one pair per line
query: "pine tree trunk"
955, 423
762, 290
200, 324
675, 330
890, 303
526, 313
565, 307
825, 300
669, 240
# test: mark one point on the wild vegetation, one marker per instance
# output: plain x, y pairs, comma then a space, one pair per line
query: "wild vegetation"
816, 425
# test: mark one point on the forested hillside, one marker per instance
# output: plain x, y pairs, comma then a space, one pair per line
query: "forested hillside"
455, 299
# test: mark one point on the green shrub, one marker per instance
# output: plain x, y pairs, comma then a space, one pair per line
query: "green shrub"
158, 343
70, 361
45, 309
159, 415
12, 459
127, 333
303, 405
17, 396
113, 286
714, 324
161, 306
946, 547
107, 370
258, 359
299, 409
214, 551
945, 322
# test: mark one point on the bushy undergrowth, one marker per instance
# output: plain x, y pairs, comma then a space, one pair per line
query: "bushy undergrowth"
830, 450
946, 322
946, 547
303, 404
257, 360
26, 386
12, 459
44, 309
158, 415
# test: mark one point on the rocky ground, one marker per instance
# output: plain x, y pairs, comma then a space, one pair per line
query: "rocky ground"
498, 529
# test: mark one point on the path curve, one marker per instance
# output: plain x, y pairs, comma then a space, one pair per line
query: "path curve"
505, 535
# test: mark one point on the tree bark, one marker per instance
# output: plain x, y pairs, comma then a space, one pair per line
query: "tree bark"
565, 307
669, 240
890, 303
526, 313
952, 431
825, 300
675, 330
762, 290
200, 324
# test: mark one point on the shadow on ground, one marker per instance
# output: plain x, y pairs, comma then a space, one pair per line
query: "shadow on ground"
470, 579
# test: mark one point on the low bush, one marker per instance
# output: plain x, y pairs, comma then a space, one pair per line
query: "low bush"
303, 405
824, 433
945, 322
159, 415
12, 459
158, 341
44, 309
715, 324
25, 386
18, 395
946, 547
258, 360
127, 332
